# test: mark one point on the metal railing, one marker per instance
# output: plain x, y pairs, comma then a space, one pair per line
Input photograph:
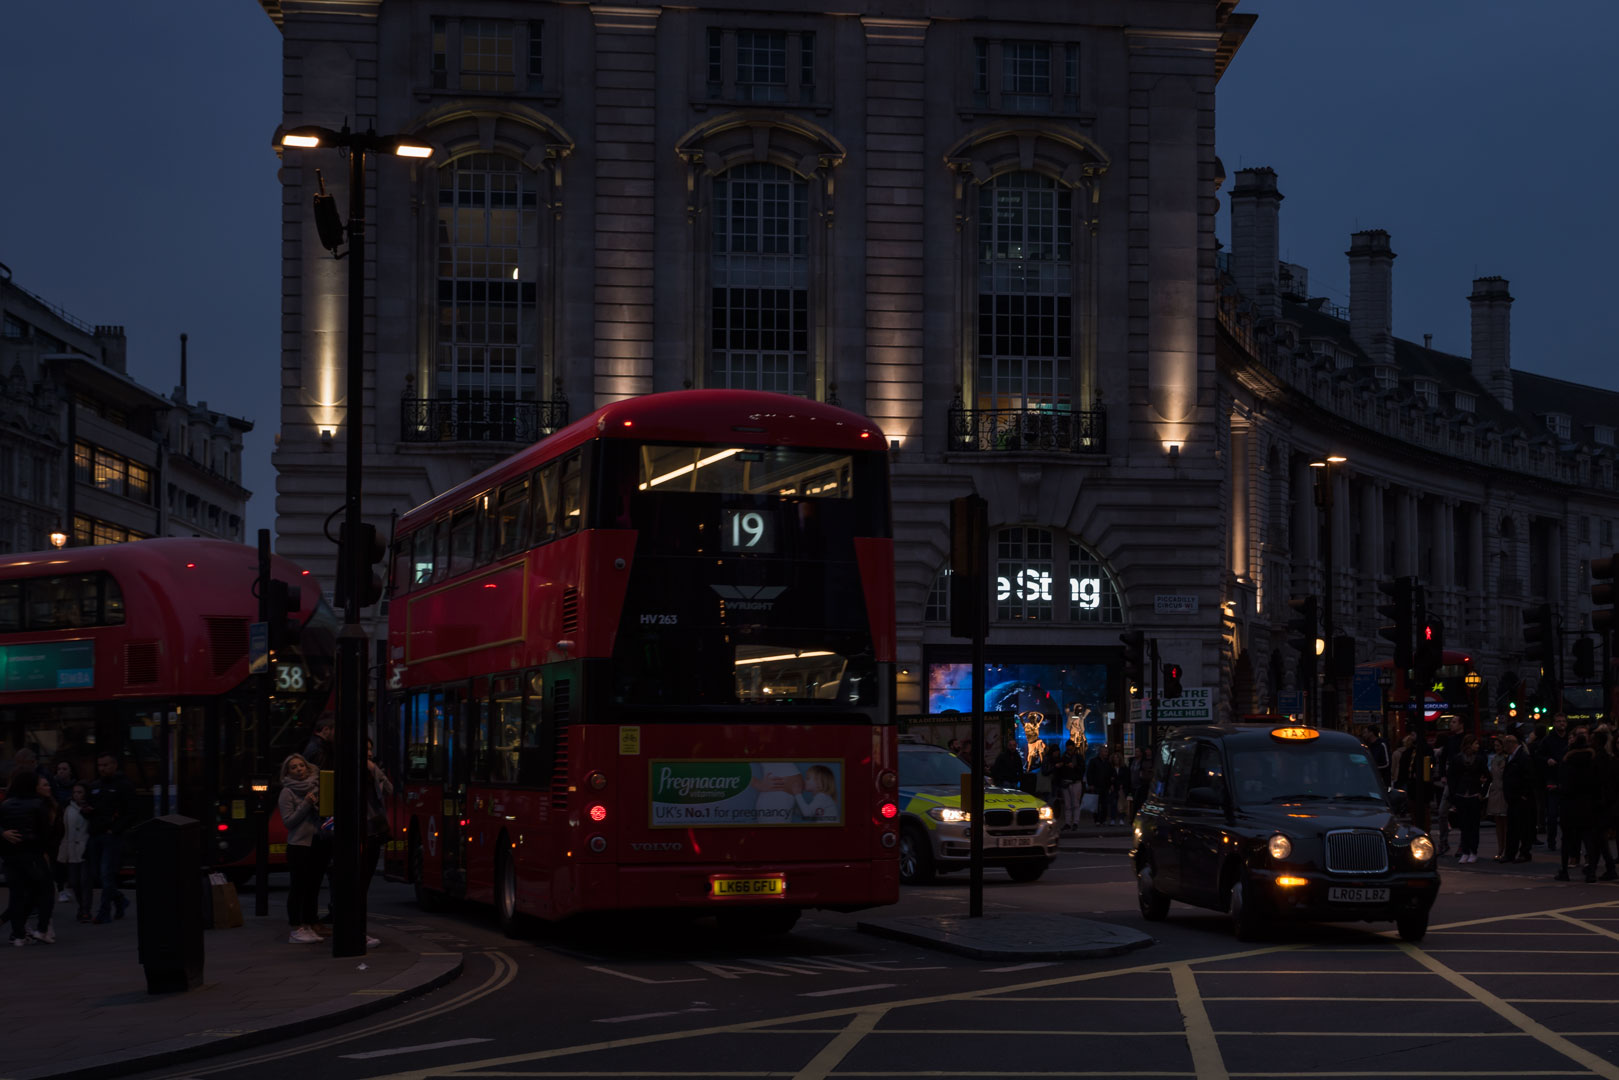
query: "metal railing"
438, 420
1082, 432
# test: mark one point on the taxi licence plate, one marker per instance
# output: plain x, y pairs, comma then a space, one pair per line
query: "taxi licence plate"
1013, 841
1343, 894
743, 886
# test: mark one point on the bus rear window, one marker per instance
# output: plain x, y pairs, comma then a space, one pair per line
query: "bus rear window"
738, 470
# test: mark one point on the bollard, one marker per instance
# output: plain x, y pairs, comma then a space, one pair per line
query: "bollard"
168, 903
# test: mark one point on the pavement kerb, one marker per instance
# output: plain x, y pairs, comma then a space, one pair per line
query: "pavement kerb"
426, 974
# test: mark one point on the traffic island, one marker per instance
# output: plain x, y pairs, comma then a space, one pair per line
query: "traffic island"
1018, 936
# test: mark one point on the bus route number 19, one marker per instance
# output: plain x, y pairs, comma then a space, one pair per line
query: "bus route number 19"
748, 530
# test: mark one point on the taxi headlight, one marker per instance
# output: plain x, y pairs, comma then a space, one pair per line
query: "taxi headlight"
1422, 849
1047, 814
1280, 847
948, 814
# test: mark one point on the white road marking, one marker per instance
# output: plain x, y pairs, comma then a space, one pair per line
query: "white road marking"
848, 990
393, 1050
652, 1015
636, 978
1025, 967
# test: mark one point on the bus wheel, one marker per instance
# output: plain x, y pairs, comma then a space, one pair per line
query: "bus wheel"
759, 922
511, 923
426, 899
915, 857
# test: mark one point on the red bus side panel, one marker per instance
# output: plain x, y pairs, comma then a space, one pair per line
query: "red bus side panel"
876, 559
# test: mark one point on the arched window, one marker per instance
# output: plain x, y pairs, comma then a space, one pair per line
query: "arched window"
759, 316
487, 332
1040, 576
1025, 292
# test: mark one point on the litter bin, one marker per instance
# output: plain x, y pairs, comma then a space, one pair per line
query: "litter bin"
168, 899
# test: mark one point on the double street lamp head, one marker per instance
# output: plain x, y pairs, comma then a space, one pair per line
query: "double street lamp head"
310, 136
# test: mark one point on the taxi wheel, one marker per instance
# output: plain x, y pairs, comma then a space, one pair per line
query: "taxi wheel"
1246, 921
1154, 904
1412, 925
915, 857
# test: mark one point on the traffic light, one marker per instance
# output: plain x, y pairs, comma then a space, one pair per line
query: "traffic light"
1172, 681
1602, 593
969, 567
1135, 660
1306, 631
283, 604
359, 559
1585, 660
1429, 654
1341, 659
1401, 609
1540, 637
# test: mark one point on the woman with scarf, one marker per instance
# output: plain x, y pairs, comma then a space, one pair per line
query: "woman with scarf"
298, 803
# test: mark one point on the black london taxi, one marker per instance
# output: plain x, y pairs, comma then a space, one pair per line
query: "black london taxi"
1268, 823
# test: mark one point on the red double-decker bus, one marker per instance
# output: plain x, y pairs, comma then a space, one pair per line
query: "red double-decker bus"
142, 650
648, 664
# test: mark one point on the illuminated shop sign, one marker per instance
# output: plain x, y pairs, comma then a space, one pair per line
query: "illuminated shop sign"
1032, 584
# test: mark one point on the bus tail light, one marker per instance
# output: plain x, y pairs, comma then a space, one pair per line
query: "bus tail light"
597, 781
598, 812
887, 779
223, 827
889, 811
598, 843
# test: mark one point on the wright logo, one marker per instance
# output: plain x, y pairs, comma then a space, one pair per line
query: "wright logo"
749, 597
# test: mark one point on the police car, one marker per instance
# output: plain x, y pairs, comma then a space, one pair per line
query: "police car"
935, 834
1267, 823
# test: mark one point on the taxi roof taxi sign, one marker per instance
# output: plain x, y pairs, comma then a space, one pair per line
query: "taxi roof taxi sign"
1300, 733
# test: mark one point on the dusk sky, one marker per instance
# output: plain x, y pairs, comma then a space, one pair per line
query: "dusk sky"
143, 191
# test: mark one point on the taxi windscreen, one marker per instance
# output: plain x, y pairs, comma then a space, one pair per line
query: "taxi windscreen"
920, 768
1288, 772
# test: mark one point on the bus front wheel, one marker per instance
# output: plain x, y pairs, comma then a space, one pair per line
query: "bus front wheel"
511, 923
426, 899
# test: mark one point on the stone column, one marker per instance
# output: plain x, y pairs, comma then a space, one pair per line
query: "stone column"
896, 89
1405, 534
1476, 603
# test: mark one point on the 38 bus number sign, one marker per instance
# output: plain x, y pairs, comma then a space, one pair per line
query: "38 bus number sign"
748, 530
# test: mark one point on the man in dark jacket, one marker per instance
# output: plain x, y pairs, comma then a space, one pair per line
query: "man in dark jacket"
1548, 761
1580, 805
320, 752
1007, 771
1379, 751
1519, 780
110, 811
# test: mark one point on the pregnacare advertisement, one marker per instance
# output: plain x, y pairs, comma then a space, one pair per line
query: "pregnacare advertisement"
742, 792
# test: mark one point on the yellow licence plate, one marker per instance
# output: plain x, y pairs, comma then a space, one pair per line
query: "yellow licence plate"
747, 886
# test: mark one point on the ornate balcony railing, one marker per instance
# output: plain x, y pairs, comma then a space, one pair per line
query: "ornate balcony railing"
1029, 429
437, 420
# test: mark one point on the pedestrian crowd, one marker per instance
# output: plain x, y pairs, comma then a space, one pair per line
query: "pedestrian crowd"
1563, 781
60, 839
1102, 787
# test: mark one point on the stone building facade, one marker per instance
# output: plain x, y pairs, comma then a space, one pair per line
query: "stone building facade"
86, 450
990, 228
1493, 486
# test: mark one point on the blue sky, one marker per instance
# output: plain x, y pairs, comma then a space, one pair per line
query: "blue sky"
141, 187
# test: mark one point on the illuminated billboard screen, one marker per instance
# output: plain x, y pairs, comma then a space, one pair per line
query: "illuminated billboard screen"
1057, 699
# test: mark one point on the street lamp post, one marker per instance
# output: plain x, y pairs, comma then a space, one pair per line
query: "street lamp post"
1473, 680
348, 900
1324, 499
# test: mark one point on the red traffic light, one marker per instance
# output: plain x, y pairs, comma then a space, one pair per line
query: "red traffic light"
1172, 671
1427, 633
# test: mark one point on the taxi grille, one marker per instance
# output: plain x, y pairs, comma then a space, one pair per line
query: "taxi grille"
997, 819
1357, 851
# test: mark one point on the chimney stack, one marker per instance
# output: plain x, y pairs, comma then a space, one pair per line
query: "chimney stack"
1256, 239
1492, 337
1371, 295
114, 348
